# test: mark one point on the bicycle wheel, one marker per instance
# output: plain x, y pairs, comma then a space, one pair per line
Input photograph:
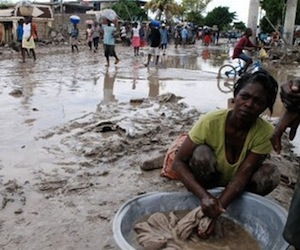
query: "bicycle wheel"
225, 85
227, 71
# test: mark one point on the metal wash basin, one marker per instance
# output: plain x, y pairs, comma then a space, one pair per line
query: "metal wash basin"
263, 218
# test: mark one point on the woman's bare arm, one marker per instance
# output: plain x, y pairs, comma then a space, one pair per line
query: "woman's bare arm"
210, 204
237, 185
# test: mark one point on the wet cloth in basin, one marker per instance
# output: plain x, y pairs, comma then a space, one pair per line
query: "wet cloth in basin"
168, 232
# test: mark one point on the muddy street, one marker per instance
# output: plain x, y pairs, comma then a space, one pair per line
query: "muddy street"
76, 136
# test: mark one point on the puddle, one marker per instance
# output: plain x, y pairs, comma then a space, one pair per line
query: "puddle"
61, 86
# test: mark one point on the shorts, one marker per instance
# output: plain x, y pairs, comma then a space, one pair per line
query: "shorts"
73, 41
244, 57
154, 51
109, 50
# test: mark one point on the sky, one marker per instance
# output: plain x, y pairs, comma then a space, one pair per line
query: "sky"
241, 7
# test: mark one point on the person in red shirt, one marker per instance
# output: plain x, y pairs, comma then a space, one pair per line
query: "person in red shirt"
244, 44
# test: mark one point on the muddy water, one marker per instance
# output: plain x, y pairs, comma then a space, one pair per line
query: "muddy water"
228, 235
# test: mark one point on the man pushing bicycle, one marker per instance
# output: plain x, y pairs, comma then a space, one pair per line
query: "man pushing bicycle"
244, 44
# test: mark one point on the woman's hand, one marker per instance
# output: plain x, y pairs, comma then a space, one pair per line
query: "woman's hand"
288, 120
290, 95
211, 206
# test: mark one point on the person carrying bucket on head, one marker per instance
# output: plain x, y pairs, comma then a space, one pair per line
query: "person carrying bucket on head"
74, 34
109, 42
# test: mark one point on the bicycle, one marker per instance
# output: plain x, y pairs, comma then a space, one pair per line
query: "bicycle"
229, 73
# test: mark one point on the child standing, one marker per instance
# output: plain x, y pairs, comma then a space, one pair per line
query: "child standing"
135, 39
89, 35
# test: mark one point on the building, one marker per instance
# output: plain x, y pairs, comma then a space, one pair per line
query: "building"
9, 17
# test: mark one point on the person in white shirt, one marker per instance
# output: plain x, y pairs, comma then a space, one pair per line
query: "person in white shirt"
135, 39
27, 38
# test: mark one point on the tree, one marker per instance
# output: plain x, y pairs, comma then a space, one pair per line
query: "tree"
193, 10
275, 12
195, 17
195, 5
129, 10
163, 7
239, 26
220, 16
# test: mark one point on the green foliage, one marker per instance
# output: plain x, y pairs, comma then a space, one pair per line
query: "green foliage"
239, 26
275, 11
195, 17
220, 16
193, 9
167, 7
129, 10
195, 6
6, 4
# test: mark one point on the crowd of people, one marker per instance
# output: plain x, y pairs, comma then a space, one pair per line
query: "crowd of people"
131, 34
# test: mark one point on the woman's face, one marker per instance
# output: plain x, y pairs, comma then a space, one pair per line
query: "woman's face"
250, 102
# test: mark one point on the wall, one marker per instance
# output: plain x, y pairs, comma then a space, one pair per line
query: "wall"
61, 23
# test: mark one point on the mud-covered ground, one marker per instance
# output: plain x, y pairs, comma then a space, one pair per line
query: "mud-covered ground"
76, 138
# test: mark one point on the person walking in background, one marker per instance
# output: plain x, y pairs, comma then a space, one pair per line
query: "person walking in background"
109, 42
143, 35
97, 33
20, 36
128, 35
154, 40
34, 30
136, 39
177, 35
164, 38
89, 36
74, 34
27, 39
184, 35
123, 33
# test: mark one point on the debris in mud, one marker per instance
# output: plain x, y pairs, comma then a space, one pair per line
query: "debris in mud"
52, 185
285, 56
16, 93
11, 191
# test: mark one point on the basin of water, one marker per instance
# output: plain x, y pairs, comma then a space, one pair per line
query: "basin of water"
261, 217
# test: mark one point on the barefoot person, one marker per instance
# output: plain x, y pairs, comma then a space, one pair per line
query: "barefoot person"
136, 40
74, 35
27, 39
154, 40
109, 30
290, 96
229, 148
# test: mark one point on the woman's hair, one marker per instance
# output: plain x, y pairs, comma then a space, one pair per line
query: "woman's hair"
263, 78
